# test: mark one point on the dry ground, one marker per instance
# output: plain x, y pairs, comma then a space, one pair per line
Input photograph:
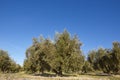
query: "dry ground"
22, 76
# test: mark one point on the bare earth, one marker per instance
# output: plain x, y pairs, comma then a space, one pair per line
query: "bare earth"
21, 76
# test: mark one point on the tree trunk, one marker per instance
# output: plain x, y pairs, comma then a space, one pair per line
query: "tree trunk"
58, 73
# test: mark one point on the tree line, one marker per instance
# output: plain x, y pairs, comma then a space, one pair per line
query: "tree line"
7, 65
63, 55
106, 60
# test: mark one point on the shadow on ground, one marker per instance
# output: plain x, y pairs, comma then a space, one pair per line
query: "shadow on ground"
45, 75
71, 75
53, 75
97, 74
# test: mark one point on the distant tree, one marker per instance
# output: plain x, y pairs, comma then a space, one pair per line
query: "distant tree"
99, 60
115, 56
107, 60
91, 59
87, 67
15, 67
6, 63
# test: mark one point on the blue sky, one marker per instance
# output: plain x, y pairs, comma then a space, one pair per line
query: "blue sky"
96, 22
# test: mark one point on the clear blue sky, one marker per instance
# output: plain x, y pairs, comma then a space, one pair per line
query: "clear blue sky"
96, 22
